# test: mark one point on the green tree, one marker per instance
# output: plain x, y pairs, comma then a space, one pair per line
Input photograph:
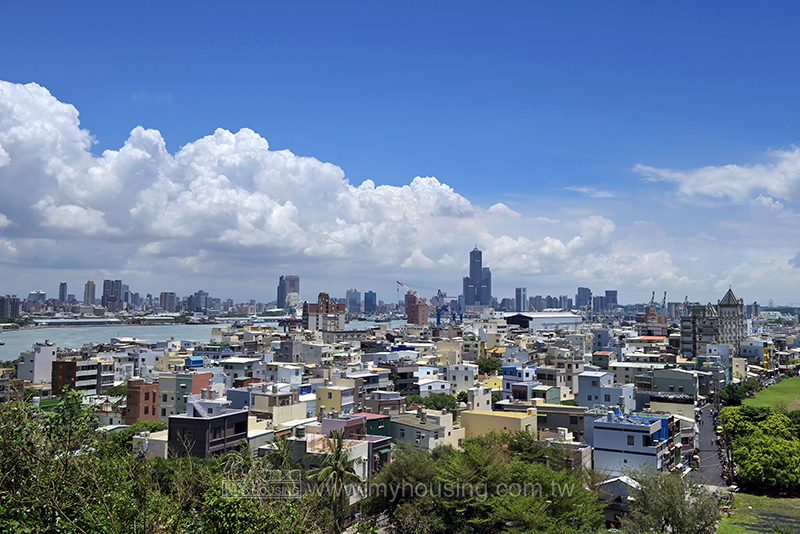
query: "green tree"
736, 424
440, 401
733, 395
488, 365
778, 425
669, 502
119, 390
335, 478
393, 491
768, 461
282, 456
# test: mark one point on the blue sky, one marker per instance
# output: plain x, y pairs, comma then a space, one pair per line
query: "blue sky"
615, 145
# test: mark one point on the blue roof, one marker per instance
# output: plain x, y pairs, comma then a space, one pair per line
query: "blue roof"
194, 361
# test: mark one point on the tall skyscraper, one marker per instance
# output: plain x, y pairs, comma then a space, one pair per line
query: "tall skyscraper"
9, 307
89, 293
166, 301
478, 285
112, 295
583, 298
611, 299
289, 283
353, 301
200, 301
62, 292
522, 299
370, 302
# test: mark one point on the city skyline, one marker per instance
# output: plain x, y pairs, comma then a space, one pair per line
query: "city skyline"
575, 147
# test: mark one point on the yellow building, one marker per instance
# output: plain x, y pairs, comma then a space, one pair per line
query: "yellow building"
338, 398
494, 382
478, 423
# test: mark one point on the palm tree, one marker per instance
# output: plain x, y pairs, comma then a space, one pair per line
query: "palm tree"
281, 457
334, 477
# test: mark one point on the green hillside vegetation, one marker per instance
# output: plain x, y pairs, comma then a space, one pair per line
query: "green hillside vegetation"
59, 474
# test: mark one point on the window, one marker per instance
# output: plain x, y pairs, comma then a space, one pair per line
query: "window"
608, 398
402, 432
630, 440
573, 419
594, 383
146, 395
435, 435
588, 397
217, 433
147, 410
164, 398
163, 412
330, 395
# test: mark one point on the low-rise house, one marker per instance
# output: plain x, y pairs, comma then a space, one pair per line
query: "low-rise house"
597, 388
141, 401
418, 430
207, 428
386, 403
174, 388
461, 376
626, 442
478, 423
332, 398
433, 385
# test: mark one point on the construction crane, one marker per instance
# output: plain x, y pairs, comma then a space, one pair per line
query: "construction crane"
653, 299
664, 302
444, 307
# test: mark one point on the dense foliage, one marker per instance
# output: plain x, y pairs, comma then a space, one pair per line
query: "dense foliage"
58, 474
498, 483
488, 365
734, 394
766, 446
434, 401
670, 502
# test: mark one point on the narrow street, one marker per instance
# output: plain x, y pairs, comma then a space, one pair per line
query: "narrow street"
710, 472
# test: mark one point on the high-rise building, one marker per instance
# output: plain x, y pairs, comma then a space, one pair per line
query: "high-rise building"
416, 311
200, 301
521, 299
611, 299
89, 293
353, 301
37, 295
722, 324
583, 298
478, 285
325, 315
166, 301
370, 302
9, 307
289, 283
62, 292
112, 295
